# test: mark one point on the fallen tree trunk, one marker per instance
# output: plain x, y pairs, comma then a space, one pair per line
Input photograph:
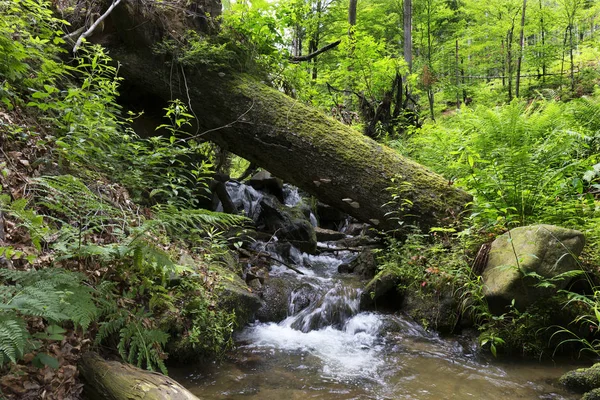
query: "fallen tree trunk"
295, 142
112, 380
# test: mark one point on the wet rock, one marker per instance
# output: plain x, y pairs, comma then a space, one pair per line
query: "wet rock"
284, 296
301, 298
329, 217
545, 250
267, 183
436, 309
300, 233
365, 265
328, 235
236, 296
582, 380
287, 224
382, 293
356, 229
275, 294
345, 268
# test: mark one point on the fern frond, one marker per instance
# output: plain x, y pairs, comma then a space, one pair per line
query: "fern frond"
168, 216
53, 294
13, 337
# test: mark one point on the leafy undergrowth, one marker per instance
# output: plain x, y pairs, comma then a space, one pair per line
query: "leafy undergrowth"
102, 241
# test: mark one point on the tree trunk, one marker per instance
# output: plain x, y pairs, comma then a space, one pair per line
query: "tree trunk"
112, 380
509, 60
571, 58
351, 25
457, 76
543, 28
521, 49
352, 14
407, 11
296, 143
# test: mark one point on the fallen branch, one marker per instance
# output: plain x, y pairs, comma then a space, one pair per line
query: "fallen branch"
111, 380
95, 25
312, 55
267, 255
352, 249
71, 36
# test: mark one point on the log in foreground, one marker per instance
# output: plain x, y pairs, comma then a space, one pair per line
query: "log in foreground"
112, 380
295, 142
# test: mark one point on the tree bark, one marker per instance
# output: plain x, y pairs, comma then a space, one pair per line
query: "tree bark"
407, 19
521, 49
112, 380
296, 143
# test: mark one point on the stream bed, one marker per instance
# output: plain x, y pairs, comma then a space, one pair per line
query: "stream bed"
331, 350
327, 348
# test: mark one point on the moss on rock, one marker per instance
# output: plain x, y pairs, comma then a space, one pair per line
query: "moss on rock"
583, 379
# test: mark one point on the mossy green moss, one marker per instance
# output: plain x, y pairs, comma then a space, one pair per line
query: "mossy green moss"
583, 379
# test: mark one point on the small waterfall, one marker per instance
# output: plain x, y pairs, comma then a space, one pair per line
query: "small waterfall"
291, 197
245, 198
327, 348
338, 305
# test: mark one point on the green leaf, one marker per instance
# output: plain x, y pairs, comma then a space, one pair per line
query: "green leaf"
40, 95
43, 359
493, 349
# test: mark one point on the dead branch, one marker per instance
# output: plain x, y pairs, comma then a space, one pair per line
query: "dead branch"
267, 255
312, 55
95, 25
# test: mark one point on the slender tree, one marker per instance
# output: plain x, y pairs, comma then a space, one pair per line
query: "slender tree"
521, 49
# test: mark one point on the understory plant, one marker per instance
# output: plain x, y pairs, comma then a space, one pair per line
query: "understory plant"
109, 237
524, 162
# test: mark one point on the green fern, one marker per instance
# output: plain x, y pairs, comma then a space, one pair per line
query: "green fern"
138, 344
183, 220
14, 337
53, 294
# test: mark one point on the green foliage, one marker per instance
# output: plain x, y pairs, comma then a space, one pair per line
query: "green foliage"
55, 295
253, 33
28, 219
30, 39
524, 163
140, 343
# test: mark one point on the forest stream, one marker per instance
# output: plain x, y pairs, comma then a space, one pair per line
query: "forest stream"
327, 348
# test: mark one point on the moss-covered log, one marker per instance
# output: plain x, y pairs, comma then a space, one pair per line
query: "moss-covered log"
295, 142
111, 380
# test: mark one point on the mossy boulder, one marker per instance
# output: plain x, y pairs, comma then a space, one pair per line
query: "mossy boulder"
235, 295
523, 257
275, 293
583, 380
288, 224
592, 395
382, 293
434, 309
364, 265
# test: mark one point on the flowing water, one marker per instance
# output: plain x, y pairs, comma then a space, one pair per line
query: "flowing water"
331, 350
328, 349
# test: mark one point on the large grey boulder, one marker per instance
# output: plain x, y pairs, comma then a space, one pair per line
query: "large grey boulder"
267, 183
523, 257
382, 293
288, 224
